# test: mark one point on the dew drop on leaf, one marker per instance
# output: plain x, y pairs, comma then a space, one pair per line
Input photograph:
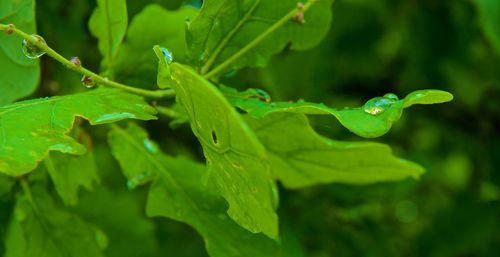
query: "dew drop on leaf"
263, 95
32, 51
391, 96
88, 81
150, 146
138, 180
167, 54
378, 105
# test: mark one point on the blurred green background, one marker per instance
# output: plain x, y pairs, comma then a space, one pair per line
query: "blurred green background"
373, 47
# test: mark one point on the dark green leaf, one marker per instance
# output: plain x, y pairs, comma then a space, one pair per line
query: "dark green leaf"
47, 231
374, 119
223, 27
109, 23
20, 75
135, 62
236, 159
120, 214
489, 10
24, 140
6, 184
69, 172
179, 192
300, 157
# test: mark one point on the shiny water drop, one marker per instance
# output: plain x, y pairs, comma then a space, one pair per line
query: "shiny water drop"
263, 95
167, 54
378, 105
391, 96
32, 51
88, 81
230, 73
150, 146
138, 180
275, 196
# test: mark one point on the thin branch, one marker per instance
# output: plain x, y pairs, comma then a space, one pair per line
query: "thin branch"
228, 37
289, 16
11, 29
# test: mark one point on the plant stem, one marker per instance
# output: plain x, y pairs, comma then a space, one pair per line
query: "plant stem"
169, 112
221, 67
228, 37
80, 69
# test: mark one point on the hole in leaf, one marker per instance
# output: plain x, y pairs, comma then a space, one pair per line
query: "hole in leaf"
214, 137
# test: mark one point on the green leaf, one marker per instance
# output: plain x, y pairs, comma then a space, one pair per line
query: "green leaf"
373, 119
108, 24
427, 97
24, 141
179, 192
125, 148
20, 75
299, 157
6, 184
135, 62
489, 11
120, 214
69, 172
47, 231
223, 27
236, 159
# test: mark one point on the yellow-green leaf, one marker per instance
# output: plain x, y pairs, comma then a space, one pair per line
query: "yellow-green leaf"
30, 129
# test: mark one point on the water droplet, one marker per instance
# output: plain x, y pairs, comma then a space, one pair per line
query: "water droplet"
150, 146
167, 54
378, 105
76, 61
275, 196
230, 73
32, 51
391, 96
139, 179
88, 81
262, 95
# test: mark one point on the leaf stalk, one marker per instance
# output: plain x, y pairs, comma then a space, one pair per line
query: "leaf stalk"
168, 93
288, 17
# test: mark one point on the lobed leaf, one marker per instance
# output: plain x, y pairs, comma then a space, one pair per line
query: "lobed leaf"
20, 75
374, 119
25, 141
299, 157
236, 159
223, 27
47, 231
108, 24
69, 172
135, 63
179, 192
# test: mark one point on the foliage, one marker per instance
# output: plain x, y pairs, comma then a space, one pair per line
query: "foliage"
209, 165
